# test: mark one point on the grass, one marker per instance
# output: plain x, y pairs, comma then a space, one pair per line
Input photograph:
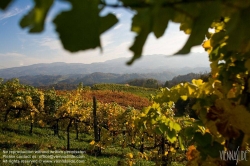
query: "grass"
15, 137
140, 91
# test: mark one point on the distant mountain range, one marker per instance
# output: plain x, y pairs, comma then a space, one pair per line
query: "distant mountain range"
113, 71
90, 79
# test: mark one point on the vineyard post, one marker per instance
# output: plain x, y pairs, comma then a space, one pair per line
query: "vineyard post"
99, 134
142, 144
68, 138
31, 125
96, 131
164, 163
6, 115
56, 128
31, 128
76, 128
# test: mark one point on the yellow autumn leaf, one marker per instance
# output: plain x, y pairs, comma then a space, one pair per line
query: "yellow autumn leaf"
206, 44
130, 163
231, 93
191, 90
184, 97
129, 155
172, 149
197, 82
92, 142
41, 123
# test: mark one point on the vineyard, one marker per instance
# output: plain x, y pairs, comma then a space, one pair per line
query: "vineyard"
146, 131
140, 91
94, 120
99, 122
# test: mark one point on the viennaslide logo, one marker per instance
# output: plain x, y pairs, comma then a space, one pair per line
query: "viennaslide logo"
238, 155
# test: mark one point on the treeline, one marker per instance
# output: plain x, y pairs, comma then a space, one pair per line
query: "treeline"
146, 83
186, 78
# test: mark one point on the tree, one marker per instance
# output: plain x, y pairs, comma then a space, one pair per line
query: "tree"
222, 103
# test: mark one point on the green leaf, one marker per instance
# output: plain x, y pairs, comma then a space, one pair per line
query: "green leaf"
161, 16
211, 150
181, 143
4, 3
238, 31
107, 22
163, 127
142, 25
175, 126
132, 2
200, 26
158, 130
171, 136
34, 20
80, 28
202, 140
214, 150
189, 132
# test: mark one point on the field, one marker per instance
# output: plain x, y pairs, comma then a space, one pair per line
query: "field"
16, 137
140, 91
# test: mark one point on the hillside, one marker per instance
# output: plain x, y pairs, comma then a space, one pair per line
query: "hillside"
160, 66
69, 82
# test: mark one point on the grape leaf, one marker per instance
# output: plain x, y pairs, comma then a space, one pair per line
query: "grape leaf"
175, 126
161, 16
181, 142
4, 4
107, 22
142, 24
80, 28
200, 26
171, 136
202, 140
34, 20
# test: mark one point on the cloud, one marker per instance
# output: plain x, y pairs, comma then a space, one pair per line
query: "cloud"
12, 54
197, 49
118, 26
106, 39
11, 59
15, 59
12, 12
4, 22
53, 44
119, 15
168, 44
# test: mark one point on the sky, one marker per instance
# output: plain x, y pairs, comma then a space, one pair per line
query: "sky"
20, 48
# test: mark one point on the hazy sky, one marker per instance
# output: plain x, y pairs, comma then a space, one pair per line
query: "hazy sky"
18, 47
